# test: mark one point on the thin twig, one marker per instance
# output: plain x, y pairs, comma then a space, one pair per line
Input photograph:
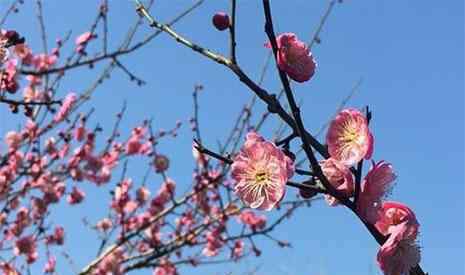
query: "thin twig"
232, 32
316, 36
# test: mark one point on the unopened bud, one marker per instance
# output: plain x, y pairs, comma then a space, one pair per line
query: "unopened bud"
221, 21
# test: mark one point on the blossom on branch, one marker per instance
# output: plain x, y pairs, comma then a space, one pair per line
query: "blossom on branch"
294, 57
254, 221
261, 171
165, 267
349, 139
339, 176
400, 253
393, 214
221, 21
375, 186
28, 247
82, 40
66, 107
13, 140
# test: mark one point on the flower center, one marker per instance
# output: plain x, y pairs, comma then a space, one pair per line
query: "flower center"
350, 135
261, 177
398, 217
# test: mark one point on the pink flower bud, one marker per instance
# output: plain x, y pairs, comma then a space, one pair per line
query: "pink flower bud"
161, 163
221, 21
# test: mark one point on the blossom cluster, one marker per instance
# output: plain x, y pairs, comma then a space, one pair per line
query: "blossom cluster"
261, 171
46, 164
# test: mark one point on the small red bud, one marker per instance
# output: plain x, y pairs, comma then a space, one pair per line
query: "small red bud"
221, 21
12, 87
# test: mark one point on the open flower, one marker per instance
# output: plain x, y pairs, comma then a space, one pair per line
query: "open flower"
13, 140
294, 57
375, 186
392, 214
255, 222
66, 107
340, 178
400, 253
28, 247
349, 139
261, 171
165, 267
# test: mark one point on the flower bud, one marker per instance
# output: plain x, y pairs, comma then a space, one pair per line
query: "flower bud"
161, 163
221, 21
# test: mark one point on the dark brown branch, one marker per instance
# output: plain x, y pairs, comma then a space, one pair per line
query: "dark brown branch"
29, 103
205, 151
307, 187
232, 32
359, 170
195, 95
285, 141
117, 53
273, 104
301, 130
132, 77
13, 8
299, 126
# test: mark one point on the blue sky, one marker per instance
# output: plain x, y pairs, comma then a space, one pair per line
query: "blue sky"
410, 56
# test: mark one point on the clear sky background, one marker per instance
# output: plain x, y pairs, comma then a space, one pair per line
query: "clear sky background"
410, 55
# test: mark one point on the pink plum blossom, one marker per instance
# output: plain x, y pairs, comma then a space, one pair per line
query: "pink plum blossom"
340, 178
375, 186
349, 138
392, 214
76, 196
13, 140
84, 38
165, 193
28, 247
58, 236
8, 269
165, 268
261, 171
66, 107
254, 221
31, 93
80, 133
400, 253
294, 57
24, 53
111, 264
238, 250
104, 225
50, 265
43, 61
214, 243
134, 144
142, 195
